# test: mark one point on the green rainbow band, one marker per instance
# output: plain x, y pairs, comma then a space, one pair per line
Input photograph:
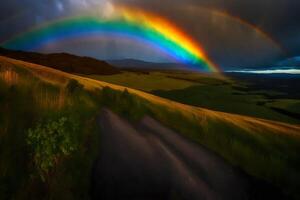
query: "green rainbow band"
87, 26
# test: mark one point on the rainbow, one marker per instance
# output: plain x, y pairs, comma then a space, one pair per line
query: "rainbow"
128, 23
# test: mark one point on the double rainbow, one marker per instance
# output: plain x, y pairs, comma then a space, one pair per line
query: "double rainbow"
129, 23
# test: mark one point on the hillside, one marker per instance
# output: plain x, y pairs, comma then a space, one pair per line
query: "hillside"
64, 62
262, 148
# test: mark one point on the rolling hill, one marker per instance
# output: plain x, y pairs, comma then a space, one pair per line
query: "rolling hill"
262, 148
64, 62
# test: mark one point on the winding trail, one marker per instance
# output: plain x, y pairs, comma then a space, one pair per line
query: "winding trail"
150, 161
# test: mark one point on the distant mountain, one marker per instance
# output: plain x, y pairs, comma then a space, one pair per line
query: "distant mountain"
64, 62
139, 64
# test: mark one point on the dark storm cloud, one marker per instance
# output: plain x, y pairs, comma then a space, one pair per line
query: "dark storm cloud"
16, 15
276, 17
227, 40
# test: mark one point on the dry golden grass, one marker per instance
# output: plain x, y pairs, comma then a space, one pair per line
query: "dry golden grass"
250, 124
45, 73
9, 76
50, 100
43, 97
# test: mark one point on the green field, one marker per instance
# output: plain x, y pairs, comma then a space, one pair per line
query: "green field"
290, 105
207, 91
145, 82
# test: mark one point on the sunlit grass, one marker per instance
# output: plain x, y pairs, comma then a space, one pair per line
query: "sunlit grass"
9, 76
262, 148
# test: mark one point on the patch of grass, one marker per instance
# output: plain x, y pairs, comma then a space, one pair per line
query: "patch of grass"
223, 98
200, 78
290, 105
130, 106
145, 82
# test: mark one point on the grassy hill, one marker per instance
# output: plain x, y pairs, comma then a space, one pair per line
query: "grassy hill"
35, 99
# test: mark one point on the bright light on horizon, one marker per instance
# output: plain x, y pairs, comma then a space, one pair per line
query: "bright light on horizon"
269, 71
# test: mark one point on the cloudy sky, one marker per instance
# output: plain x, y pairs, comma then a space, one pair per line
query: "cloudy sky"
233, 32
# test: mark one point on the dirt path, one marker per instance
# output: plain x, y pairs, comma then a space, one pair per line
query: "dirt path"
150, 161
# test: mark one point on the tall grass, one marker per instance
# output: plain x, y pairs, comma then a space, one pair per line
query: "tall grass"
9, 76
25, 101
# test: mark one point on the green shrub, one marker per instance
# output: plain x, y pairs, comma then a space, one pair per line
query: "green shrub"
50, 142
73, 86
129, 105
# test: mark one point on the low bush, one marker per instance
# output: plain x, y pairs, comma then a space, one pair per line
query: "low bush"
50, 142
129, 105
73, 86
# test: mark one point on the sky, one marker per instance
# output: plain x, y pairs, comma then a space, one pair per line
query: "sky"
232, 32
